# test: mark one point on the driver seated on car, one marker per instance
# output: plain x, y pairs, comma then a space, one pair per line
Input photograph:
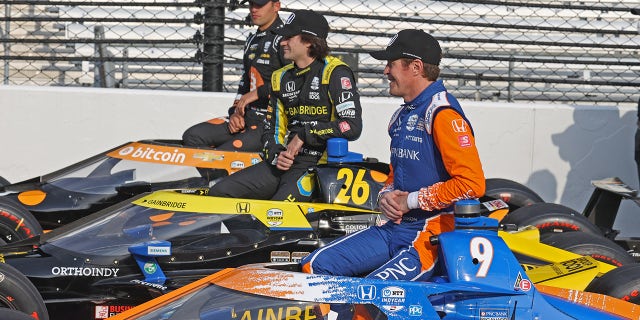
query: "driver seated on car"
434, 162
242, 128
312, 99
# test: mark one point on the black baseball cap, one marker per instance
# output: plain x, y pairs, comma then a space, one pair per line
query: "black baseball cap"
304, 21
412, 44
260, 2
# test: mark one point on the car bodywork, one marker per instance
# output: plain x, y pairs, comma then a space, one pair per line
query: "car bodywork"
480, 279
602, 209
156, 242
115, 175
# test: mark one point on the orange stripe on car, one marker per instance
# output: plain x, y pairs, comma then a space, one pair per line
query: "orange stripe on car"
594, 300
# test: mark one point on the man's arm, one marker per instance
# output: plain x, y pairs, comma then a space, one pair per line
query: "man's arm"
245, 80
264, 89
461, 160
275, 130
348, 123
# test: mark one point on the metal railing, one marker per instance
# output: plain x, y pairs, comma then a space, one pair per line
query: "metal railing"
583, 53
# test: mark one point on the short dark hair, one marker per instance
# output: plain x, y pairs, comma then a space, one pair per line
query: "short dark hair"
319, 48
430, 71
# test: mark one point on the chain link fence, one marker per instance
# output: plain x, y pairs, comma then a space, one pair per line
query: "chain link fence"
571, 52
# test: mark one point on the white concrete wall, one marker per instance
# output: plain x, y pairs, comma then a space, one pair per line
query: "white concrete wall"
554, 149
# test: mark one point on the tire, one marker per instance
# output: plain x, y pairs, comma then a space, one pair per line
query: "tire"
515, 194
10, 314
4, 182
18, 293
622, 283
551, 218
16, 222
598, 247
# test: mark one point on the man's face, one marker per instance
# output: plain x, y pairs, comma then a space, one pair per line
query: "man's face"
399, 76
263, 16
293, 48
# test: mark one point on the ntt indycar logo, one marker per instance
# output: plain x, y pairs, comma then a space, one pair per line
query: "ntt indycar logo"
149, 153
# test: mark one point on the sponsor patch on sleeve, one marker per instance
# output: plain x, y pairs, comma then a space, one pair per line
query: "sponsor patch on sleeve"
346, 109
345, 106
346, 83
464, 140
344, 126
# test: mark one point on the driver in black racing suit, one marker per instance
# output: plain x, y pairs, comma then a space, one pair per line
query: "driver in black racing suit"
313, 99
242, 130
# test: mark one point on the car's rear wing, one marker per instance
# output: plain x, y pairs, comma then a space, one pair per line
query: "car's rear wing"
605, 200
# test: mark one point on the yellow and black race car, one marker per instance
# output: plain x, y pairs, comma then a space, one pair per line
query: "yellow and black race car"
49, 201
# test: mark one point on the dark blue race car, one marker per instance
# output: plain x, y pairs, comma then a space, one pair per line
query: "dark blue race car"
480, 279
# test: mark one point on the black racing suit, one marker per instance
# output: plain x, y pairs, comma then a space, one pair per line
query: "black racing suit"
262, 56
314, 103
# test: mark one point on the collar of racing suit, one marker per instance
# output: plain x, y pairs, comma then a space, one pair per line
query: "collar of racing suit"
426, 95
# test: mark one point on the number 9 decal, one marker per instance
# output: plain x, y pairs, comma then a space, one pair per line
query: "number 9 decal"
356, 190
482, 253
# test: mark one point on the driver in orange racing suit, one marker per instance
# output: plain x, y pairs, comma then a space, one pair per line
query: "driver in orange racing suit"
434, 163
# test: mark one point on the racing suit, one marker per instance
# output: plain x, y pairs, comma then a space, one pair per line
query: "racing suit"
262, 56
433, 154
315, 103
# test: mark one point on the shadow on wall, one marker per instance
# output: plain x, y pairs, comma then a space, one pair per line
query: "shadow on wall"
597, 145
544, 183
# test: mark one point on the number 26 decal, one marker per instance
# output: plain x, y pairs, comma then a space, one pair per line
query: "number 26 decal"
356, 190
482, 253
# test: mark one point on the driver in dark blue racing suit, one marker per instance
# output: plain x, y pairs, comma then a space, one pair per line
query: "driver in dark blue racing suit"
434, 163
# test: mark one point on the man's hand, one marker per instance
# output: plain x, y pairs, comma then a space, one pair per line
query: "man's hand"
236, 122
285, 158
245, 100
393, 204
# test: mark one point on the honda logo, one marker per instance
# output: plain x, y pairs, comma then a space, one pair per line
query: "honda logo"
459, 125
345, 95
243, 207
291, 86
366, 292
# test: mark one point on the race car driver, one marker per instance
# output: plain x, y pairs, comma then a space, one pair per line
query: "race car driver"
434, 163
242, 129
313, 99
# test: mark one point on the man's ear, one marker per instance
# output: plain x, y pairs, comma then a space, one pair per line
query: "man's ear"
417, 66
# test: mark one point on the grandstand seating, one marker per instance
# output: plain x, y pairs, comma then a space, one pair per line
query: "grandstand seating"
491, 51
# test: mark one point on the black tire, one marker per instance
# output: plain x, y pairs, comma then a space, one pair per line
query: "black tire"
515, 194
18, 293
4, 182
16, 222
10, 314
551, 218
622, 283
598, 247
